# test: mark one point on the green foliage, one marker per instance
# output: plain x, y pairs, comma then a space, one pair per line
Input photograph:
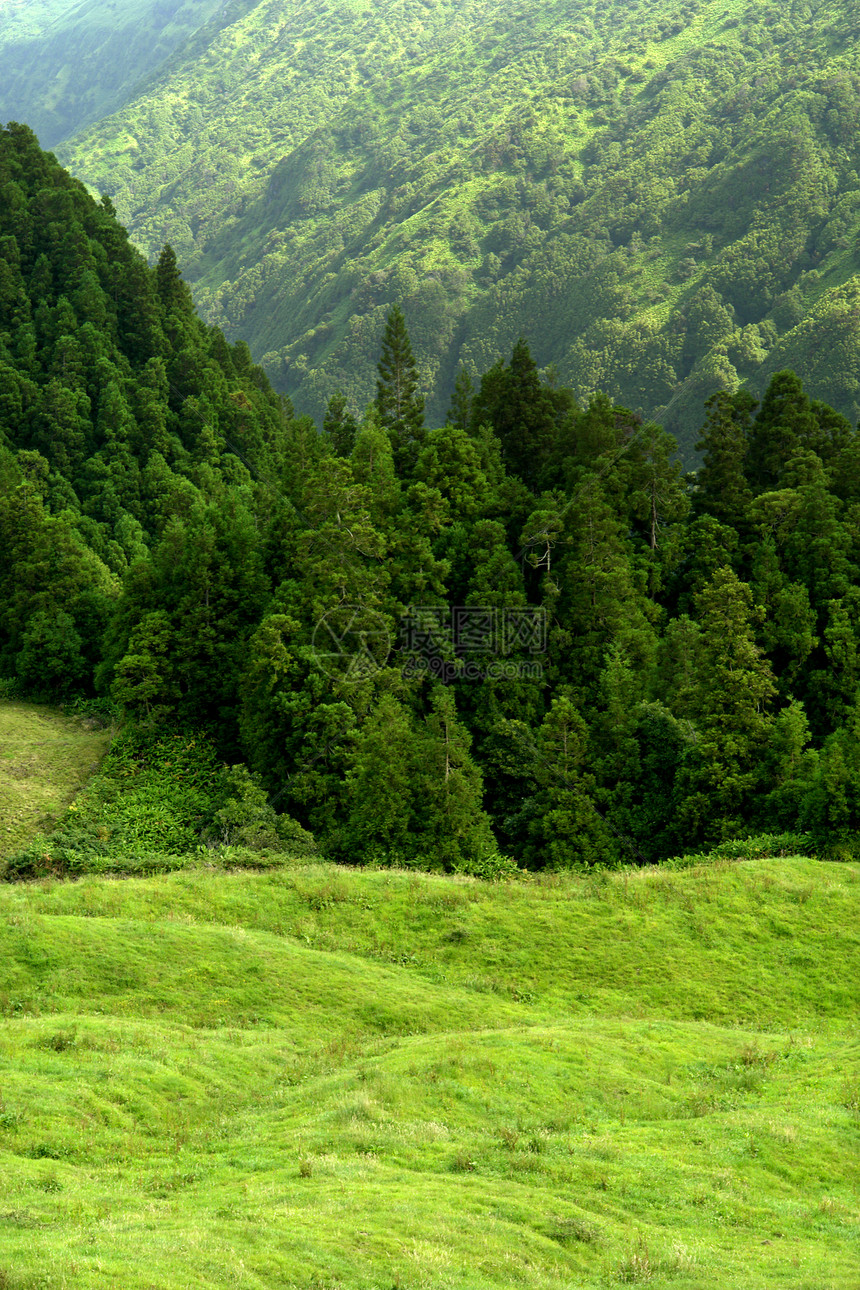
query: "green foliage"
246, 819
663, 199
61, 69
50, 662
400, 406
162, 801
522, 640
759, 846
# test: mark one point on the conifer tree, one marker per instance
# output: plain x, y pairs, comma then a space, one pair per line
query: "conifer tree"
400, 406
558, 820
784, 423
172, 291
340, 425
460, 412
733, 691
372, 463
455, 831
721, 488
381, 787
831, 808
521, 411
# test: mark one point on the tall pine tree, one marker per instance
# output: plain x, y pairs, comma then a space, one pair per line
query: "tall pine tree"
400, 405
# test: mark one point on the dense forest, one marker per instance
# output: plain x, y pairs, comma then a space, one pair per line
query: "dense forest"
65, 65
663, 196
524, 633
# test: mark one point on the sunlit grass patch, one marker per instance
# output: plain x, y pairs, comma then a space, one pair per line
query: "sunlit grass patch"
45, 758
323, 1076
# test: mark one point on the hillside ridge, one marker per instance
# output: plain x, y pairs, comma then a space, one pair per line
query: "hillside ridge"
662, 199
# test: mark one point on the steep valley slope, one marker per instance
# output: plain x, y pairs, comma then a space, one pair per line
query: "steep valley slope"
663, 198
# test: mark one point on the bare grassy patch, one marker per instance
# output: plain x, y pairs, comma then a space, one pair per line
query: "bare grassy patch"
45, 759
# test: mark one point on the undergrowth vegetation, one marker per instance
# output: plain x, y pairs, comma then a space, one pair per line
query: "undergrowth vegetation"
161, 801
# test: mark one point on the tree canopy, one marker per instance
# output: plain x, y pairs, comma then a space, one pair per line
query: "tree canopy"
526, 633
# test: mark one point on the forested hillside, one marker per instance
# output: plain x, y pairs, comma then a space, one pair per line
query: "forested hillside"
64, 65
522, 633
662, 196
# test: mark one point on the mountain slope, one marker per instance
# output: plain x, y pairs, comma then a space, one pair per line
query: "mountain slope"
64, 65
658, 195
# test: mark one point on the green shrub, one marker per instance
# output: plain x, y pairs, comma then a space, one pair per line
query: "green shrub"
163, 801
10, 688
245, 818
761, 846
492, 867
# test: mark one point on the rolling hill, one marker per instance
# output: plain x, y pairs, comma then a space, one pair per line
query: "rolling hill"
663, 198
317, 1077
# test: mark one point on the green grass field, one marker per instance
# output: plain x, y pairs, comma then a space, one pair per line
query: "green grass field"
45, 758
323, 1077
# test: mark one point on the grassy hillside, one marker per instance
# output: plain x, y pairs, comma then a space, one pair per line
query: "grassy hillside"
320, 1077
45, 758
64, 65
663, 197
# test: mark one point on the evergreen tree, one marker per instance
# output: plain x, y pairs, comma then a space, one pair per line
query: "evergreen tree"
734, 688
522, 412
557, 822
830, 809
462, 400
172, 291
784, 422
381, 788
453, 830
340, 425
372, 463
721, 487
400, 406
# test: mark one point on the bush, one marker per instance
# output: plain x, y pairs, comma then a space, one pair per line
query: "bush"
760, 846
10, 688
156, 801
492, 867
245, 818
45, 859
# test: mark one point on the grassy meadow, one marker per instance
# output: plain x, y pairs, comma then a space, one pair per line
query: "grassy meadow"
326, 1077
45, 759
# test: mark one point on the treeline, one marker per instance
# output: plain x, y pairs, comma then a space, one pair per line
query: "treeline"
525, 632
